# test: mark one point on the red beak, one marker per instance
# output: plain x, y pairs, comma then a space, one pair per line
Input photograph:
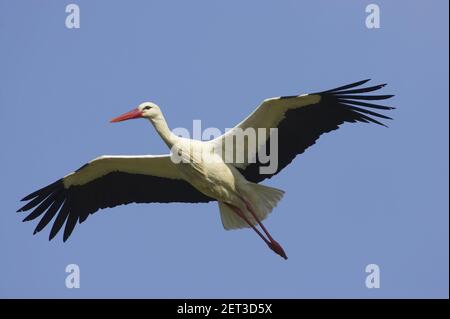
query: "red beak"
133, 114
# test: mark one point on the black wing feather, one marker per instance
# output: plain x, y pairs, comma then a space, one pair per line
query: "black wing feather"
76, 203
348, 86
305, 125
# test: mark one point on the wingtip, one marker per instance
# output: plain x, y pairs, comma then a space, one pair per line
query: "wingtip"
362, 82
24, 199
22, 209
29, 197
27, 219
385, 125
65, 236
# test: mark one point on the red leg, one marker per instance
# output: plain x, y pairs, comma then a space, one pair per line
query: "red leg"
250, 209
272, 243
240, 214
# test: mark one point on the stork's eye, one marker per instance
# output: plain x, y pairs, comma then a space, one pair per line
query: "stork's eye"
148, 107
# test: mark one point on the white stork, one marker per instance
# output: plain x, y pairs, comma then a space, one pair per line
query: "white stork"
108, 181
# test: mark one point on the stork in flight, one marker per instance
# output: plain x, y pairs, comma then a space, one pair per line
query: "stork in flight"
108, 181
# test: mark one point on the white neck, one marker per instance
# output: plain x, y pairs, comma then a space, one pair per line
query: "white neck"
163, 130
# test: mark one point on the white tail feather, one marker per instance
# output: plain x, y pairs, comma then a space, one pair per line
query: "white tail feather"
262, 198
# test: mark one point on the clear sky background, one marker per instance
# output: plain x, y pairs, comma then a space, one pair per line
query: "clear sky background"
364, 194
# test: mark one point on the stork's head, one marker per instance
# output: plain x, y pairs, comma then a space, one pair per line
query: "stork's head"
148, 110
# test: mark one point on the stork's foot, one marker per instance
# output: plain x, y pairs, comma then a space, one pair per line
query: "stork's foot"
276, 247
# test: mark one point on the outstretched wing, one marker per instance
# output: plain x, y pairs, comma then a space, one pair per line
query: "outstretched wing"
300, 120
108, 181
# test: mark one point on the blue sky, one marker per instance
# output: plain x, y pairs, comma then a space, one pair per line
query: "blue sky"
364, 194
